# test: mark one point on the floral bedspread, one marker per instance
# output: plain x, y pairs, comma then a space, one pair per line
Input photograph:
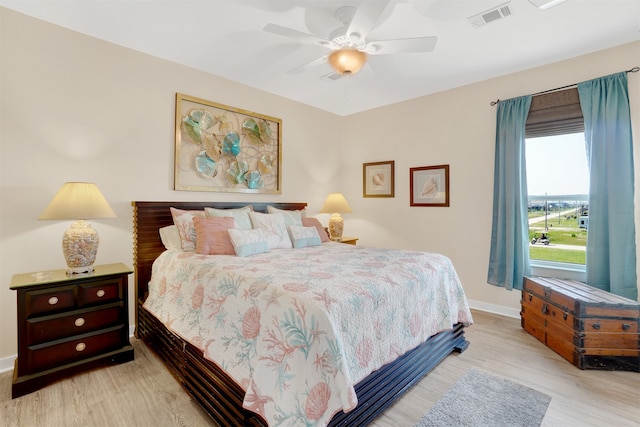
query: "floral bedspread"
298, 328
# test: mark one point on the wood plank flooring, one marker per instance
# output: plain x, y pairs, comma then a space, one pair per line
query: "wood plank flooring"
143, 393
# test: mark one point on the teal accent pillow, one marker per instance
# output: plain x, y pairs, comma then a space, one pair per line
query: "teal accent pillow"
304, 236
248, 242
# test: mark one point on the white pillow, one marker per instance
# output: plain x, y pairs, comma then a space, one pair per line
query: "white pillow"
304, 236
170, 237
240, 215
274, 227
248, 242
290, 217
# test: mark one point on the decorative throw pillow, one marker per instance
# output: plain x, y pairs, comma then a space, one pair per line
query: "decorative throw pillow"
304, 236
170, 237
212, 236
290, 217
274, 227
248, 242
314, 222
240, 215
184, 221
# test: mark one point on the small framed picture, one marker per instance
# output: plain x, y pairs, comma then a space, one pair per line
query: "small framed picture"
378, 179
430, 186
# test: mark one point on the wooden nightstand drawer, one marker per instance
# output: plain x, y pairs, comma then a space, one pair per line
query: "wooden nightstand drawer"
49, 300
53, 354
69, 323
98, 292
49, 328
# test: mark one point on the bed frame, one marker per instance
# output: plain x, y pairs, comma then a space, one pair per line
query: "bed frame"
210, 386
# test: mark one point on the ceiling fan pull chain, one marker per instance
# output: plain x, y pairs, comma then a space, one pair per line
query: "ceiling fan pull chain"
346, 79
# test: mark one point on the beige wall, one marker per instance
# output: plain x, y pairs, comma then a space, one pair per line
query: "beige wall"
76, 108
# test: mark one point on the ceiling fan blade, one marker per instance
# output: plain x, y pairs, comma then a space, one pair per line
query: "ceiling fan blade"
298, 35
385, 47
366, 17
308, 65
333, 76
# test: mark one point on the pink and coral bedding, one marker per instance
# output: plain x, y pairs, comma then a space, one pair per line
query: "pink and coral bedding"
298, 328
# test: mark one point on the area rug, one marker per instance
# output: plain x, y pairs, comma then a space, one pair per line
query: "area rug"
479, 398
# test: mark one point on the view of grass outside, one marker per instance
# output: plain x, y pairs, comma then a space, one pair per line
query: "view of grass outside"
567, 241
558, 188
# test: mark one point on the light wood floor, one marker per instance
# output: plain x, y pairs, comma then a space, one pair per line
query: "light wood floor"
143, 393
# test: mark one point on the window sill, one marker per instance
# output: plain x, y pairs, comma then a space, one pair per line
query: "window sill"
559, 270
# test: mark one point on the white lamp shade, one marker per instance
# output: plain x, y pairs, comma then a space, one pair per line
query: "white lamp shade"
78, 200
335, 203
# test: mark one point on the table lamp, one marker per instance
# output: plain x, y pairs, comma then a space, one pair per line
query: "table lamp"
335, 204
79, 201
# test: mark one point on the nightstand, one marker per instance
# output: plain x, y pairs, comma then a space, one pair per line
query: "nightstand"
348, 240
69, 323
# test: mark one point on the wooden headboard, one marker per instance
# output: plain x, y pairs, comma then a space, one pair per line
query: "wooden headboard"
149, 217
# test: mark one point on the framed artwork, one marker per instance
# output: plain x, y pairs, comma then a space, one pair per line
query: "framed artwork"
378, 179
221, 148
430, 186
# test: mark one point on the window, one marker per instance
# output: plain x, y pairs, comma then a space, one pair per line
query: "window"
611, 248
558, 189
558, 182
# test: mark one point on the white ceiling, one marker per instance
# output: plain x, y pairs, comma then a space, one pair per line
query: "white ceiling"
226, 38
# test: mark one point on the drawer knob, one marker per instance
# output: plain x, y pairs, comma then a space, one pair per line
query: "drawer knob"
626, 326
53, 300
100, 293
79, 321
80, 346
596, 326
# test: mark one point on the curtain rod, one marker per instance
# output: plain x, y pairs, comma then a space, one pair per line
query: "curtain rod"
493, 103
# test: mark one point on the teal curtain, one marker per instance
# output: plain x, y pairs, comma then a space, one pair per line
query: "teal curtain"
509, 257
611, 240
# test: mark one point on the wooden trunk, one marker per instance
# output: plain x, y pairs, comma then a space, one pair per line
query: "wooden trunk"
591, 328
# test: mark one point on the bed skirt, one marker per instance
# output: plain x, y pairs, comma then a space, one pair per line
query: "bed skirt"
222, 398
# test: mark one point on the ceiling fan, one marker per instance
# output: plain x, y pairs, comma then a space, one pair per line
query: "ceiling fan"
349, 45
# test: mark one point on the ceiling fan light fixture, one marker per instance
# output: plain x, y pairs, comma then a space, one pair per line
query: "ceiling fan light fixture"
545, 4
347, 60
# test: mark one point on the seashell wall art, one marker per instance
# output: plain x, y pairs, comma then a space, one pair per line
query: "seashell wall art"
222, 148
378, 179
429, 186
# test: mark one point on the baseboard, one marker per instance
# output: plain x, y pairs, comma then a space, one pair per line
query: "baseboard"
6, 363
495, 309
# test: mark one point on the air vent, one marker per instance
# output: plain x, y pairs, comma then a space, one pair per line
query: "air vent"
491, 15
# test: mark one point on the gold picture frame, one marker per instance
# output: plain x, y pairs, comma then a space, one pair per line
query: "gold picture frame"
226, 149
429, 186
378, 179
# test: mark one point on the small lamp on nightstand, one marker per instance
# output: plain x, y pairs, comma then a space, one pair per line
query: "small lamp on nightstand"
335, 204
79, 201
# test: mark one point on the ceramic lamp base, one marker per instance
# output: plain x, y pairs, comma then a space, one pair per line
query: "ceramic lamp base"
336, 225
80, 246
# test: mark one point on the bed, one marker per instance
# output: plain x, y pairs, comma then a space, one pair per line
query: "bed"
220, 391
